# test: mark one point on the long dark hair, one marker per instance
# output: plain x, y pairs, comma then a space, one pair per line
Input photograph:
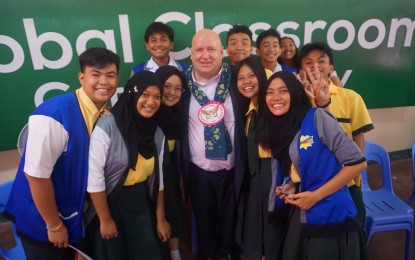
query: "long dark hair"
295, 58
257, 68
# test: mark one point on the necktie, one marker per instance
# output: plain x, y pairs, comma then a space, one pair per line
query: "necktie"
253, 156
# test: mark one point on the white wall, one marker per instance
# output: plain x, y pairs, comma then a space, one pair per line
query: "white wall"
9, 160
394, 129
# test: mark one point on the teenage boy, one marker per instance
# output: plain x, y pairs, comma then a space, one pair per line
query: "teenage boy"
268, 49
159, 38
345, 104
239, 46
239, 43
48, 194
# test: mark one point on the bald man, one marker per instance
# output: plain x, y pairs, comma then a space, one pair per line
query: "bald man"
212, 145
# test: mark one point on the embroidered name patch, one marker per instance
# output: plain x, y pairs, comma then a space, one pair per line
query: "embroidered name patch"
306, 141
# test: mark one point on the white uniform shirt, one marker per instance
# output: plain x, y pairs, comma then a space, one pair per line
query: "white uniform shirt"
196, 129
277, 68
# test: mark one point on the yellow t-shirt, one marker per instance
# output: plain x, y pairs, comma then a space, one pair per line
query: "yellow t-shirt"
89, 111
171, 144
350, 110
262, 153
143, 169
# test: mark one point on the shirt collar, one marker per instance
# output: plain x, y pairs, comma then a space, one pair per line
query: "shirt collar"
151, 64
333, 88
213, 81
89, 111
87, 102
277, 68
251, 107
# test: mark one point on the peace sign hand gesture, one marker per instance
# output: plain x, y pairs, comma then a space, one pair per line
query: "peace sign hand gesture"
320, 87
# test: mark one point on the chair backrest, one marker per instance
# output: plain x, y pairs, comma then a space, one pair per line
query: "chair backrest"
5, 189
376, 153
17, 251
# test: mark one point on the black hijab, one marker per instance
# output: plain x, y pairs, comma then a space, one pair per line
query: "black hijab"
137, 131
282, 129
169, 117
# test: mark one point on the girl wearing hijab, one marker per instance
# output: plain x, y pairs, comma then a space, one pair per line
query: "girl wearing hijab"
124, 157
168, 119
323, 224
256, 233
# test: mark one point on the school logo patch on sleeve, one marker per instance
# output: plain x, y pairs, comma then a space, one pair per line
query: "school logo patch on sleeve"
306, 141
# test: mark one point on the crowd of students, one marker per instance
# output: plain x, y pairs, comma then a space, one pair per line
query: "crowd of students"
268, 149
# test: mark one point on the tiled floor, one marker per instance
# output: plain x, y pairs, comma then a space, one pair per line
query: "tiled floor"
384, 245
391, 244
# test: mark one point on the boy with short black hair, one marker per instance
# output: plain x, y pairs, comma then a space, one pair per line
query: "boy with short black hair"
345, 104
268, 49
48, 194
159, 38
239, 43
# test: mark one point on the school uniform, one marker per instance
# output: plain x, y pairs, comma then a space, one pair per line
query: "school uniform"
260, 225
330, 229
67, 122
125, 159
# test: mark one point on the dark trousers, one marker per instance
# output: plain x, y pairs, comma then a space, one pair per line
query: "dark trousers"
35, 250
214, 205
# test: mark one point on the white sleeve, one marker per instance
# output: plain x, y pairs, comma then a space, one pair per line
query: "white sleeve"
47, 139
98, 152
161, 159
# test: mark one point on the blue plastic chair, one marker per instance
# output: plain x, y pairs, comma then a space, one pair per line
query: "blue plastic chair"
16, 252
384, 210
412, 198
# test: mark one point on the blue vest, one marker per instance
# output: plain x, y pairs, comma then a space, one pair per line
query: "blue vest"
287, 69
69, 176
279, 180
336, 212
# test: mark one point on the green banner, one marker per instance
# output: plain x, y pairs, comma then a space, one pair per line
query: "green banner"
40, 42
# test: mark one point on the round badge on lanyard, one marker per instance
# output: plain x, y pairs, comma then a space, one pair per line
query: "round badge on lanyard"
211, 113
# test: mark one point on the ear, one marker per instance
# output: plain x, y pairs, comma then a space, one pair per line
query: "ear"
81, 77
331, 68
148, 48
171, 45
258, 52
